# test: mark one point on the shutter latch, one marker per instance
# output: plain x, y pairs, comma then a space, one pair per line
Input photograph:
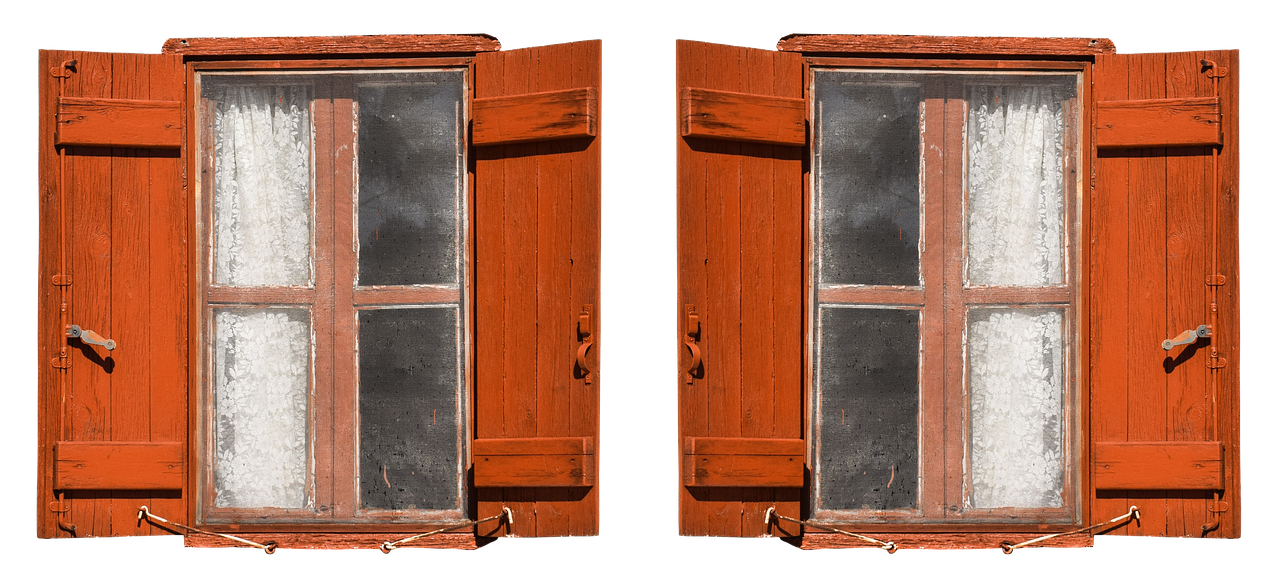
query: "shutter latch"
1189, 336
691, 333
90, 337
584, 335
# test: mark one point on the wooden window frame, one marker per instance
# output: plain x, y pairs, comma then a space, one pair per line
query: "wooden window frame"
329, 271
944, 413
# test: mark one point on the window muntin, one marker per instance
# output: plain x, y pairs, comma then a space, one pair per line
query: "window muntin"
962, 184
342, 195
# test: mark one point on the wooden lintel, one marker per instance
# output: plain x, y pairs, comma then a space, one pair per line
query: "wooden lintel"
1158, 123
532, 117
516, 462
334, 45
1157, 466
119, 122
949, 46
760, 462
118, 466
745, 117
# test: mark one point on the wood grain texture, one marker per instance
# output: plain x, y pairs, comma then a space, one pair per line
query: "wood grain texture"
537, 116
729, 115
333, 45
743, 446
120, 122
336, 541
527, 446
527, 470
815, 539
740, 250
744, 470
1158, 123
944, 46
118, 466
1157, 465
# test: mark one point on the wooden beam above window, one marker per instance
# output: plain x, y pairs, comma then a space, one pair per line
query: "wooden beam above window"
944, 46
333, 45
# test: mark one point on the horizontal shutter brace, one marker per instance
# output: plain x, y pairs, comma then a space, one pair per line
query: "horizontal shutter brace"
771, 513
145, 514
508, 520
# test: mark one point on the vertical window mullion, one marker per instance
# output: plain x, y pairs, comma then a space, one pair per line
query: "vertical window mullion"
933, 428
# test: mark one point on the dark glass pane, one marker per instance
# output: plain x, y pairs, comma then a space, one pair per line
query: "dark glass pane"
410, 177
409, 386
869, 399
868, 165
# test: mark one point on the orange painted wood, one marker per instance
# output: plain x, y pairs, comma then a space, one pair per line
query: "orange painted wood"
1157, 466
554, 115
336, 541
728, 115
118, 466
815, 539
119, 122
943, 46
740, 250
1158, 122
333, 45
756, 462
519, 462
537, 243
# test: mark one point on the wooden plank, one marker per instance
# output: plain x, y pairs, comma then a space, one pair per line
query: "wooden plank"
816, 539
739, 470
529, 446
1158, 122
1227, 331
944, 46
729, 115
119, 122
333, 45
526, 470
701, 446
118, 466
50, 339
337, 541
552, 115
1157, 466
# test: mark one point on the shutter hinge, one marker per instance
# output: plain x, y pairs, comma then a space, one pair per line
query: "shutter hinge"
1215, 280
61, 362
1217, 362
59, 507
62, 280
1219, 507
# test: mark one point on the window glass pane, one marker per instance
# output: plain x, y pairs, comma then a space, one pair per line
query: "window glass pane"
868, 398
410, 161
262, 375
868, 164
1016, 412
1015, 176
262, 181
410, 384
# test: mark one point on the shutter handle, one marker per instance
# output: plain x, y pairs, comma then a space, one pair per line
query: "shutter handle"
584, 335
90, 337
1201, 331
692, 328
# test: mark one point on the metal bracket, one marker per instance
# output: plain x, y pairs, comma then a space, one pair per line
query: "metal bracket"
90, 337
1217, 362
61, 362
1215, 71
1215, 280
584, 335
691, 332
62, 280
59, 507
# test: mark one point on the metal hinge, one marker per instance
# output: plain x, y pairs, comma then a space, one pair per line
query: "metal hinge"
1217, 362
61, 362
62, 280
1215, 280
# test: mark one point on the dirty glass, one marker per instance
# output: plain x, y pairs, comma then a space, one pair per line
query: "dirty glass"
867, 161
869, 399
410, 164
409, 406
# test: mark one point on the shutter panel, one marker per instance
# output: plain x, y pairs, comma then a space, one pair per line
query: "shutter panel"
537, 279
113, 423
1164, 425
740, 136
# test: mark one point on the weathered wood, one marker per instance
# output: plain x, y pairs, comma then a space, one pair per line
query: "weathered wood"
333, 45
1158, 123
528, 470
755, 462
816, 539
118, 466
119, 122
943, 46
728, 115
335, 541
526, 446
1157, 466
743, 446
531, 117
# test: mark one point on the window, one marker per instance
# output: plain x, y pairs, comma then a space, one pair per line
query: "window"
924, 281
368, 311
942, 226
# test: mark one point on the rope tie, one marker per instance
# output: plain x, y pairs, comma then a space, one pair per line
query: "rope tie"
144, 513
1132, 514
506, 515
771, 513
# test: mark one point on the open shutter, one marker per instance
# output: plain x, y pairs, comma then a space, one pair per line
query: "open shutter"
536, 128
740, 145
1165, 424
113, 242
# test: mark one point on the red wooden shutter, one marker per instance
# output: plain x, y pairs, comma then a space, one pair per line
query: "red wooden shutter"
1164, 424
535, 125
740, 147
113, 423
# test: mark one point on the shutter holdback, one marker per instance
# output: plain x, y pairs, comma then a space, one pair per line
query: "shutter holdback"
505, 517
145, 514
772, 513
1132, 514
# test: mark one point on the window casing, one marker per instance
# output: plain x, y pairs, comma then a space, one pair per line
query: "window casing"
943, 250
336, 319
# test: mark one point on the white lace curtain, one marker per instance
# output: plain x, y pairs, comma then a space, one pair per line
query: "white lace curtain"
1015, 186
262, 186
